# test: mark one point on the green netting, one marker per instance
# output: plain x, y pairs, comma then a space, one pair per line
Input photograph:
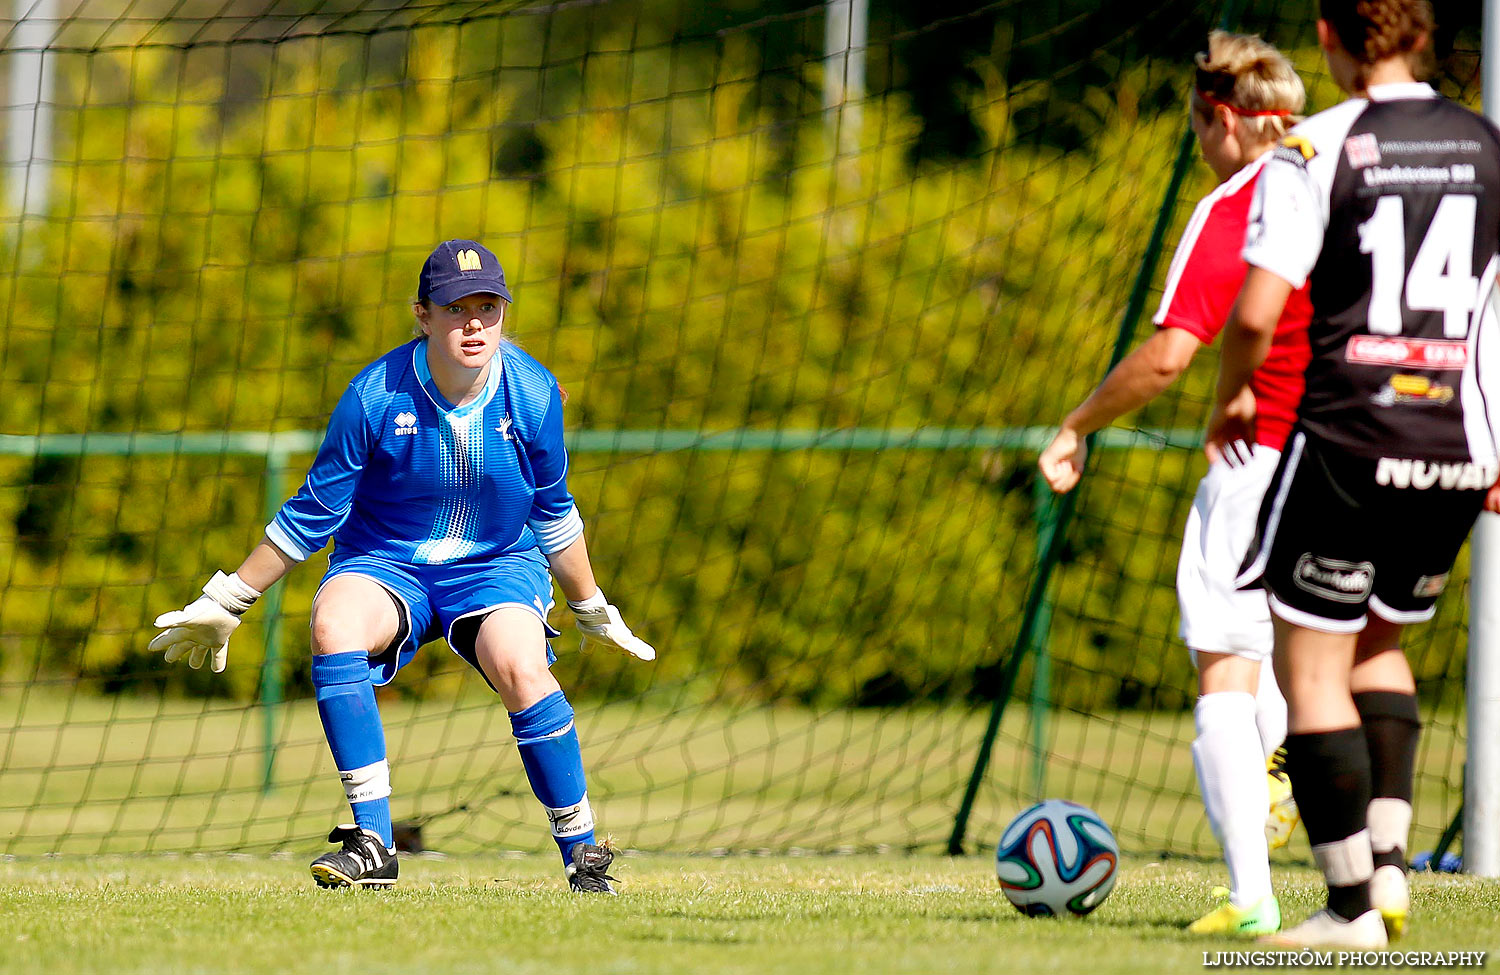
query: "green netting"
806, 377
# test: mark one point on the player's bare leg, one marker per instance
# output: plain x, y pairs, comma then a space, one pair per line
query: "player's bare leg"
1329, 764
1385, 695
511, 649
352, 616
1229, 759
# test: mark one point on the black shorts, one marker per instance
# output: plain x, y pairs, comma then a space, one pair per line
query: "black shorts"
1340, 534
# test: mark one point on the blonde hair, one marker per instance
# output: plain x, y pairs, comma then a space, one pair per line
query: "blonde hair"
1251, 78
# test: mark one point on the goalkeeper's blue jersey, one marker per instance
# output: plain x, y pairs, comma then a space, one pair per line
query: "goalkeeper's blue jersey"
403, 474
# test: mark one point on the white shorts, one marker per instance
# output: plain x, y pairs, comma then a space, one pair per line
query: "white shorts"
1216, 617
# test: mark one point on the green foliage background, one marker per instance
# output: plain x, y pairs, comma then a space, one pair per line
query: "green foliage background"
236, 231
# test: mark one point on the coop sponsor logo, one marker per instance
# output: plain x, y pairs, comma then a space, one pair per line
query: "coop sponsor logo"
1307, 958
1335, 579
1463, 475
1377, 350
406, 424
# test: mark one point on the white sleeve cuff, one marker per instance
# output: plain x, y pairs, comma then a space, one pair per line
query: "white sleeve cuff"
558, 534
283, 541
1286, 267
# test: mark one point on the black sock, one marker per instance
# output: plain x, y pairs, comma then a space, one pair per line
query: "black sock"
1330, 773
1393, 726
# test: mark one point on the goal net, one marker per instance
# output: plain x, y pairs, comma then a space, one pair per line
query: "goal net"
816, 298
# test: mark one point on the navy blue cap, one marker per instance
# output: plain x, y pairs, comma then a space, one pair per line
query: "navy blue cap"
459, 268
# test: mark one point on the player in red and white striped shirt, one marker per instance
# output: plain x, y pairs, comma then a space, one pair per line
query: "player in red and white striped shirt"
1244, 99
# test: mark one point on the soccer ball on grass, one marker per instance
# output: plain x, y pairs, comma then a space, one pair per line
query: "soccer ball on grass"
1057, 858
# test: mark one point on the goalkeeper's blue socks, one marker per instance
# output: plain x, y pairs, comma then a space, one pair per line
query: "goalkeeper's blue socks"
351, 722
548, 743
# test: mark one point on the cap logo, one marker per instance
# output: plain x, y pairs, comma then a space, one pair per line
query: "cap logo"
468, 260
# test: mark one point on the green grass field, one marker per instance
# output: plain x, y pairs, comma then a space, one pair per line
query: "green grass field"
707, 915
115, 784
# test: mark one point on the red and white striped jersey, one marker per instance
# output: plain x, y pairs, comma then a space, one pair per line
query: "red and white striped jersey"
1203, 283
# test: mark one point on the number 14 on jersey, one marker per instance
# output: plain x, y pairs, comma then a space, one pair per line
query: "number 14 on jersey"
1441, 277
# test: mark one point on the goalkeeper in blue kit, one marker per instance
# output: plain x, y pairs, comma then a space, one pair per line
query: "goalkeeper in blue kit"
442, 482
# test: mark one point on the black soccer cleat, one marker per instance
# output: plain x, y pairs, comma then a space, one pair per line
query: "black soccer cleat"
363, 860
586, 874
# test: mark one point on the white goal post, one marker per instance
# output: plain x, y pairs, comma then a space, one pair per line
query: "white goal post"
1482, 778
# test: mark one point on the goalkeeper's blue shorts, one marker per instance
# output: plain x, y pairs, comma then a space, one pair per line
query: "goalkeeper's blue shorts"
449, 600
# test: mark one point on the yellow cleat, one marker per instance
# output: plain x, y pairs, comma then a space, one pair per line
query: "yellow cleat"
1282, 816
1262, 917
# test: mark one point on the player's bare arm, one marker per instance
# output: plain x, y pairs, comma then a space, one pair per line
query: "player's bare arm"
573, 571
265, 566
1139, 378
1247, 339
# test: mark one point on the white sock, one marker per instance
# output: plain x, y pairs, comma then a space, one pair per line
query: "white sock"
1390, 824
1346, 862
1232, 775
1270, 710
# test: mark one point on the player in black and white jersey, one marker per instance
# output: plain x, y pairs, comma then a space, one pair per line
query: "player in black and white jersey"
1389, 205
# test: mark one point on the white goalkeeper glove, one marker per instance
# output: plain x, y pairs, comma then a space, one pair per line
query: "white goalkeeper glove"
600, 622
202, 628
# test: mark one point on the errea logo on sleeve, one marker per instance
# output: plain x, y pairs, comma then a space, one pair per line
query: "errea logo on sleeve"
468, 260
406, 424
